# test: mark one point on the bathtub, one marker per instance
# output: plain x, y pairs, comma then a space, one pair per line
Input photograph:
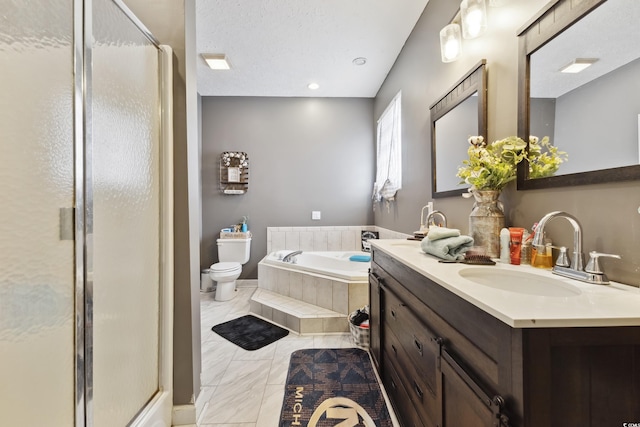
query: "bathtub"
335, 265
323, 279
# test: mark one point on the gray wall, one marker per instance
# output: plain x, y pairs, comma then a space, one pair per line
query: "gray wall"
455, 126
608, 212
613, 99
424, 78
305, 154
166, 20
542, 121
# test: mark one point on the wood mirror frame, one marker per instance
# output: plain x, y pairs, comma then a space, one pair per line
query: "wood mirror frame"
548, 23
474, 81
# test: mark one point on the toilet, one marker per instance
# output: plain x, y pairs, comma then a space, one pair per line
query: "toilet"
232, 253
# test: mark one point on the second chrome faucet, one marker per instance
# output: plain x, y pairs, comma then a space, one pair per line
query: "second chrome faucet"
592, 273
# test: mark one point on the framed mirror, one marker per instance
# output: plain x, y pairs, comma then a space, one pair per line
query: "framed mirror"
460, 113
593, 115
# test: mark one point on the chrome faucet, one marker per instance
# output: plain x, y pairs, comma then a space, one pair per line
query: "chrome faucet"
578, 257
291, 257
593, 273
430, 218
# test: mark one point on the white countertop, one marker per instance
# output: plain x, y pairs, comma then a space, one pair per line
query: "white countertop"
592, 305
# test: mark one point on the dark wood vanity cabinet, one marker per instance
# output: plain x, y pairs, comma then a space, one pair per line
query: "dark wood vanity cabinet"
446, 363
374, 320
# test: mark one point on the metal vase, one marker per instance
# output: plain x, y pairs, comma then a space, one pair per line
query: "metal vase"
486, 220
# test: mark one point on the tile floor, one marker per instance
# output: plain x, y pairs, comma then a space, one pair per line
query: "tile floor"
245, 388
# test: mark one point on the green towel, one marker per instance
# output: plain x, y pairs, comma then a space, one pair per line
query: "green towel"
437, 233
449, 248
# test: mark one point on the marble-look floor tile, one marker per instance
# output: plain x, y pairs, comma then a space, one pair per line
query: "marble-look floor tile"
233, 404
264, 353
333, 341
203, 400
278, 371
216, 357
246, 388
246, 373
291, 343
271, 406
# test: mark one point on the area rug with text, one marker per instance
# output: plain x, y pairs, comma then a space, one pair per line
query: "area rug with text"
330, 387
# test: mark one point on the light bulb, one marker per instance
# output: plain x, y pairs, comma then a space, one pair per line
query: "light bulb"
450, 43
474, 18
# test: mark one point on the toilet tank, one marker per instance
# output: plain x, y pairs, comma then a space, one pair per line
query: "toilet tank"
234, 250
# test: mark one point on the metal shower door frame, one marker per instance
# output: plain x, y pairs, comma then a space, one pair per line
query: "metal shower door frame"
83, 219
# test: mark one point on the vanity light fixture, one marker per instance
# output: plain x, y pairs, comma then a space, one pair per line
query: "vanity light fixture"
577, 65
474, 18
217, 61
313, 86
450, 43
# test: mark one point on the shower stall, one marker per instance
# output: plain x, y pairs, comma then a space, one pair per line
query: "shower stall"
86, 223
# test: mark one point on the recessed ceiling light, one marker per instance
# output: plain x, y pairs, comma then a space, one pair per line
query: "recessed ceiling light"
313, 86
359, 61
578, 65
216, 61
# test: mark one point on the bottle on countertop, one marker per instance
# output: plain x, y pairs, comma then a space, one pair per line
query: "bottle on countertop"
504, 246
525, 250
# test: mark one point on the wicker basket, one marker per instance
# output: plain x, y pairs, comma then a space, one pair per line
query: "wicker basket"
359, 334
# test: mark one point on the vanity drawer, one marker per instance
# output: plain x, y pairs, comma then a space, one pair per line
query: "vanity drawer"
465, 402
393, 307
399, 397
465, 329
424, 397
419, 343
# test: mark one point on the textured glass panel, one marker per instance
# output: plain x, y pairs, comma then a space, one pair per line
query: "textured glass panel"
126, 214
36, 180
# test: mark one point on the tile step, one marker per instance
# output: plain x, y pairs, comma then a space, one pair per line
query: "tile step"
295, 315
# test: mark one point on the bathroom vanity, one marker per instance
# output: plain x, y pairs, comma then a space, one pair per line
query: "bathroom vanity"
455, 347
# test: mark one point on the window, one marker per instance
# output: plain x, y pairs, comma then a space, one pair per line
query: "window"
389, 153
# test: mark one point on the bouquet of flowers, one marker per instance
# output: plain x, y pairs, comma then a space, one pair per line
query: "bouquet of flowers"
492, 166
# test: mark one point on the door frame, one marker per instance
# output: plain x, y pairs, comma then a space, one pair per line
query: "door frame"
158, 410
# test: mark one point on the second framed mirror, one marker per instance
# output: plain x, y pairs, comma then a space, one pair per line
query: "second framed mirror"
460, 113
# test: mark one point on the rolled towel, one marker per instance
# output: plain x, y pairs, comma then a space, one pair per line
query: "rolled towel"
360, 258
449, 248
437, 233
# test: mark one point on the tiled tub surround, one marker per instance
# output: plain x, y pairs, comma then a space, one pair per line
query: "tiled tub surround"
308, 302
345, 238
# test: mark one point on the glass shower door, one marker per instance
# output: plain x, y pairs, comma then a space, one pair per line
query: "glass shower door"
125, 135
36, 228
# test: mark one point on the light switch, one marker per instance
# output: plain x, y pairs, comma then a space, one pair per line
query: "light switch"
316, 215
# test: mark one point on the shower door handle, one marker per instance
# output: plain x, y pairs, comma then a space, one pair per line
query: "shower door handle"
67, 223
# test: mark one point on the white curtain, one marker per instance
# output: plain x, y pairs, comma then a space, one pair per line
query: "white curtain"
389, 153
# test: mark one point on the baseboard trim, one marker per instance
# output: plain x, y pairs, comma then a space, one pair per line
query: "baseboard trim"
183, 415
247, 283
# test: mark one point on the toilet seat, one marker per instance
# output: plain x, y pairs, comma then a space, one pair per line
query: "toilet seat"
225, 267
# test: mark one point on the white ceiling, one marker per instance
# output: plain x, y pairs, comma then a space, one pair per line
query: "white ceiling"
278, 47
609, 33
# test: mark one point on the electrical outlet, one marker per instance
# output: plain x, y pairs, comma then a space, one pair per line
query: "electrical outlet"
316, 215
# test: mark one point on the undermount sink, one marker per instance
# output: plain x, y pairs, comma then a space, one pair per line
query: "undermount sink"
520, 282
